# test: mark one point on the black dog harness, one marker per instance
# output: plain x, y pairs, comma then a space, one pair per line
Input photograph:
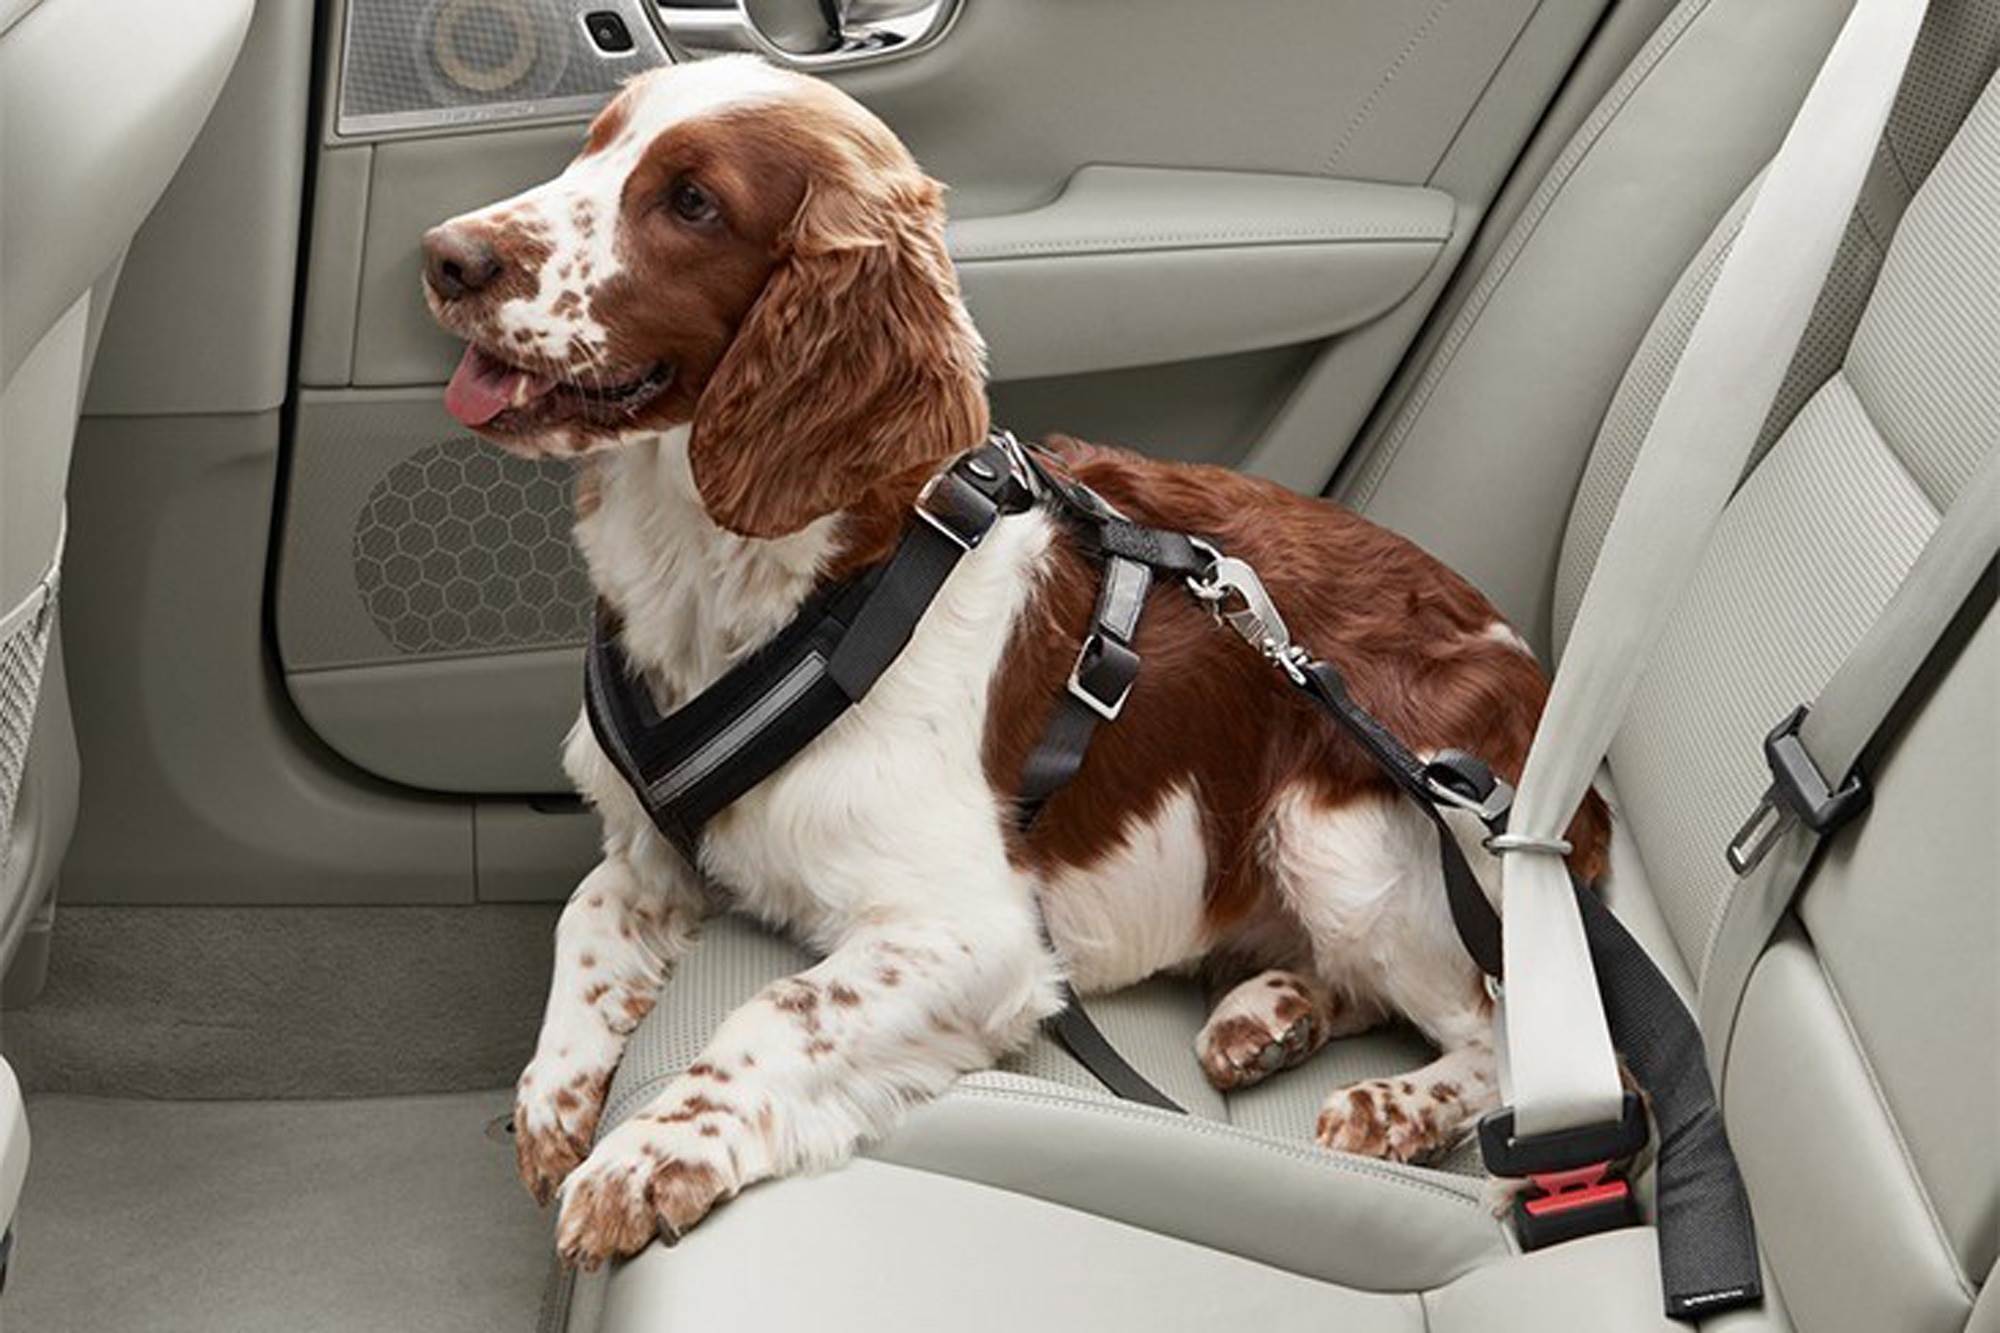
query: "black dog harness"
688, 764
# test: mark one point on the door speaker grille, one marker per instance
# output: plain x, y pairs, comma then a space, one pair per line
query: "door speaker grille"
461, 548
419, 64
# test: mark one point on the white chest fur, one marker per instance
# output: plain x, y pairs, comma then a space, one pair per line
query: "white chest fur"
889, 811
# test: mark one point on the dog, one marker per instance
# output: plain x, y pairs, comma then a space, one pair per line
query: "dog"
736, 312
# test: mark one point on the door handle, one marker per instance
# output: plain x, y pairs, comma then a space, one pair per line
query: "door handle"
807, 34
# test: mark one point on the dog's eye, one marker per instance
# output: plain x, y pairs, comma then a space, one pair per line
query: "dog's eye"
691, 203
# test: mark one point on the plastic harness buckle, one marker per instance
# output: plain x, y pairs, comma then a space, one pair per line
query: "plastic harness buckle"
1576, 1184
1798, 792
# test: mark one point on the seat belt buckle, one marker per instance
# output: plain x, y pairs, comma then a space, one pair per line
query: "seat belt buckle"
1576, 1183
1799, 793
1568, 1205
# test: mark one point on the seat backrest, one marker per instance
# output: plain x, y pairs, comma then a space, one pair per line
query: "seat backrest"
1876, 1017
1860, 1086
1858, 1092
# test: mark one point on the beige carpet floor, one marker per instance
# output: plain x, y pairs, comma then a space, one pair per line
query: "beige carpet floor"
252, 1217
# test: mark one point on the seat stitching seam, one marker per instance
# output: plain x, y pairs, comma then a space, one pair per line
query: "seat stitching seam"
1114, 245
1366, 111
1315, 1158
1519, 237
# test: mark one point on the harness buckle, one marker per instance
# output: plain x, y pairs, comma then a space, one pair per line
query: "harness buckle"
1103, 675
957, 508
1459, 779
1799, 793
1576, 1186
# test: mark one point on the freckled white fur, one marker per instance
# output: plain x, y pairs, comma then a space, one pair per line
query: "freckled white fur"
563, 333
1139, 910
599, 968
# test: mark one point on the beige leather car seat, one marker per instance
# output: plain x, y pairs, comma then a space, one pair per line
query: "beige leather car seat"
1860, 1087
99, 102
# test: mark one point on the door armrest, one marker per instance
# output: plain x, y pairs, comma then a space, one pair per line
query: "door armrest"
1133, 266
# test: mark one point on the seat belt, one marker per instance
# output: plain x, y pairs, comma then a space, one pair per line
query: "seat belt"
1947, 593
1558, 1071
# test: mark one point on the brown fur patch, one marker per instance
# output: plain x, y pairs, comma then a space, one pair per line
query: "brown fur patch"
610, 123
1408, 633
856, 369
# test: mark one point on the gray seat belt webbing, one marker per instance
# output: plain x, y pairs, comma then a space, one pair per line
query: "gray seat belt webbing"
1557, 1064
1953, 574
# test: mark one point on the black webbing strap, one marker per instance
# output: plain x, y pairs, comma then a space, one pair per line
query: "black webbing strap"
1706, 1237
1106, 667
686, 765
1076, 1032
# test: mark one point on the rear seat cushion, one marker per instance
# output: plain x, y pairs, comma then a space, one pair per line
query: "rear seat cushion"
1240, 1173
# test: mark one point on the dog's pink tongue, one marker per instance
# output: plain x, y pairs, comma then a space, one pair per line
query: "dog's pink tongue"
484, 386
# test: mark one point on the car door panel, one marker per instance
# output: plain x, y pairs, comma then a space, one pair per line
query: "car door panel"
1176, 233
386, 723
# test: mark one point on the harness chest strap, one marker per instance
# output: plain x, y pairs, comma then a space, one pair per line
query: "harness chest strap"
690, 763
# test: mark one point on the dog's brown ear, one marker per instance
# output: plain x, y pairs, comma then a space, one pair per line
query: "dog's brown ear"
857, 363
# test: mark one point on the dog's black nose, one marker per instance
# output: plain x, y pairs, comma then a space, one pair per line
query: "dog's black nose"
458, 261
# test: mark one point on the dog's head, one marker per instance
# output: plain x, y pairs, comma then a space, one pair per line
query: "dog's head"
738, 249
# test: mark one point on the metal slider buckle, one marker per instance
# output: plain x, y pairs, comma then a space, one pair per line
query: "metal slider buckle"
1101, 656
1462, 780
1799, 793
955, 508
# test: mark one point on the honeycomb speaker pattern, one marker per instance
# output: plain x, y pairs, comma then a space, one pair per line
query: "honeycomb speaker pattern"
461, 548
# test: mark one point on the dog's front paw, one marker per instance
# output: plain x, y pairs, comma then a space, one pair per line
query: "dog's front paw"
1270, 1022
555, 1116
1391, 1118
659, 1173
615, 1204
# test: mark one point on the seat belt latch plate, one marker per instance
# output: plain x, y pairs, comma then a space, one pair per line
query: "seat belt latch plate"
1799, 793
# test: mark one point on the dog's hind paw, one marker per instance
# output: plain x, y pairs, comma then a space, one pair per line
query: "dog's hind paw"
1389, 1117
1270, 1022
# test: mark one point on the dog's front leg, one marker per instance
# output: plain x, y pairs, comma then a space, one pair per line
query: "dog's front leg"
622, 928
798, 1077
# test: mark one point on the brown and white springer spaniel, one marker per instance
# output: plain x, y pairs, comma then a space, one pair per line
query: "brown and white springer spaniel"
736, 311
